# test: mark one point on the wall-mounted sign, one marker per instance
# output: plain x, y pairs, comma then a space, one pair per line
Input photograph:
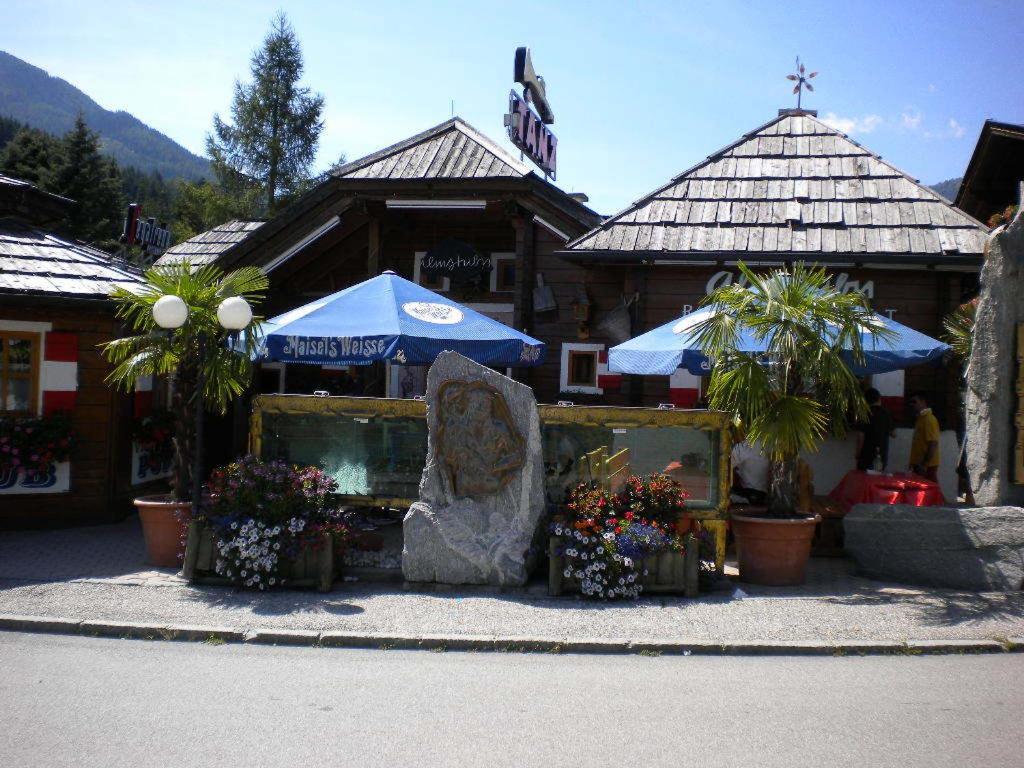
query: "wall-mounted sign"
842, 282
528, 131
456, 260
154, 238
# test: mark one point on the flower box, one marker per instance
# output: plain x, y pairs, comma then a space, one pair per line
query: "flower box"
668, 572
314, 567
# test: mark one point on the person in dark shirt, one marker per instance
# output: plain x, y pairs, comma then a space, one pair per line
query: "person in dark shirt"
873, 438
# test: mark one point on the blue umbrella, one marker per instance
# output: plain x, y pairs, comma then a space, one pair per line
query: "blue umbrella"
674, 345
391, 318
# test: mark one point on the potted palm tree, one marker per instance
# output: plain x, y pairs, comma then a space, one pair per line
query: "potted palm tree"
779, 347
193, 325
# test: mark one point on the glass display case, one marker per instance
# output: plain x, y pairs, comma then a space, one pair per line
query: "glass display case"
376, 448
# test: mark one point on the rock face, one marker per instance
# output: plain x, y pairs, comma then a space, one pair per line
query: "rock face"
482, 490
991, 400
979, 548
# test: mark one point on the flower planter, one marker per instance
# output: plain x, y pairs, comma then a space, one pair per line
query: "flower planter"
773, 552
669, 572
163, 528
314, 567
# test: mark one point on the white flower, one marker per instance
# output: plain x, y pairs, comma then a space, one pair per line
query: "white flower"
568, 573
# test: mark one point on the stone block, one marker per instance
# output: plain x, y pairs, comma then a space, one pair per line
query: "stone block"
971, 548
481, 495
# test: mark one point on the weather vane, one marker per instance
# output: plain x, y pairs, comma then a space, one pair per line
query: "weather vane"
801, 81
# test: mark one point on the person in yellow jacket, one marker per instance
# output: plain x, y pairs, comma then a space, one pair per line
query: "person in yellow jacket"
924, 449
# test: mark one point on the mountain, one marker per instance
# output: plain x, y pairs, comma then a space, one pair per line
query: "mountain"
948, 188
32, 96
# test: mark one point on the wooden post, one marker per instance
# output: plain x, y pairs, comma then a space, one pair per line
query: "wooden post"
555, 564
373, 248
325, 563
188, 569
718, 528
691, 566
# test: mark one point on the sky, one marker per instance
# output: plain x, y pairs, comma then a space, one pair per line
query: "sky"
641, 90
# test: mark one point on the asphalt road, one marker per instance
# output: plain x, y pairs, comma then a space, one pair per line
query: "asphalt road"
73, 701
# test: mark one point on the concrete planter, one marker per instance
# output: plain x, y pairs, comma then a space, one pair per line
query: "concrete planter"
773, 552
669, 572
974, 548
314, 567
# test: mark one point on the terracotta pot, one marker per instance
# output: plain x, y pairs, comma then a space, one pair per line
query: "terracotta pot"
163, 526
773, 552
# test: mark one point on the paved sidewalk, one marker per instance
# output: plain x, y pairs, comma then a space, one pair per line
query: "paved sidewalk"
99, 574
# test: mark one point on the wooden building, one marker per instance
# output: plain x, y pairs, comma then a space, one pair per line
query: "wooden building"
54, 311
792, 189
994, 174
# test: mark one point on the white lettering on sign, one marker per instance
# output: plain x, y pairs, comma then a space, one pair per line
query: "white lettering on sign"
842, 282
432, 312
336, 347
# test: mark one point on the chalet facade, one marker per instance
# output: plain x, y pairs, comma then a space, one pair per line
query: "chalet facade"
794, 189
66, 453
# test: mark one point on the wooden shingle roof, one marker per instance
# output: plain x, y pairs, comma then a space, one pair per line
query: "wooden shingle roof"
207, 246
452, 150
38, 263
794, 188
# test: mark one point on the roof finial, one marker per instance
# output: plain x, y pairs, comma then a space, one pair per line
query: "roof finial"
801, 81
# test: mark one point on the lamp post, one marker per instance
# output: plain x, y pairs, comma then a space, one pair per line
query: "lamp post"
233, 314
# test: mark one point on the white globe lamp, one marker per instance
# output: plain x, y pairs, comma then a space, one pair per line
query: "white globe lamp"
170, 312
234, 313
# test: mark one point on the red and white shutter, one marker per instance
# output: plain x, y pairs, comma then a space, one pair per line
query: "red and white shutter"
143, 396
890, 386
59, 373
684, 389
605, 379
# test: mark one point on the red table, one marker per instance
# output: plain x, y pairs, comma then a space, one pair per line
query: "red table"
859, 487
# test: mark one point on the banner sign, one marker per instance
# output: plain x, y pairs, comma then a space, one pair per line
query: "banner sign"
154, 239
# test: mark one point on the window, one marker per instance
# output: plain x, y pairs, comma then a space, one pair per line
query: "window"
503, 272
580, 368
19, 371
440, 284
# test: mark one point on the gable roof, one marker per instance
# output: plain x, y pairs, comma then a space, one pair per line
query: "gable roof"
207, 246
793, 188
38, 263
26, 201
994, 172
452, 150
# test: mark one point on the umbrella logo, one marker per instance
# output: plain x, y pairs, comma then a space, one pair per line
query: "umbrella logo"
433, 312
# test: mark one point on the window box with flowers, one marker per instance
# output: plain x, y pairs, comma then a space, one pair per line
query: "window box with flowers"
266, 524
31, 449
612, 546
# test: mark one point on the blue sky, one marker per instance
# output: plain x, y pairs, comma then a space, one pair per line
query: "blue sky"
641, 91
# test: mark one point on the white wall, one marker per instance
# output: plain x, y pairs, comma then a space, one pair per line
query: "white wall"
837, 457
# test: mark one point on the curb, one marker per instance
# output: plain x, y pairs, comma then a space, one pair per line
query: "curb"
492, 643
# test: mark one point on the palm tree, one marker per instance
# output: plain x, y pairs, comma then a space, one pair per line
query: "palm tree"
959, 329
790, 393
179, 353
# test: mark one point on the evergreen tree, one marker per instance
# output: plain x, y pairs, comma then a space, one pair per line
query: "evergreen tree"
32, 156
9, 128
198, 206
276, 126
93, 182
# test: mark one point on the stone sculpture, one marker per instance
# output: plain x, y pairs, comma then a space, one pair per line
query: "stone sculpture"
991, 399
481, 495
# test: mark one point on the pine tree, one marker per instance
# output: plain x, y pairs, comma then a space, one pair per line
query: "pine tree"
92, 181
32, 156
276, 126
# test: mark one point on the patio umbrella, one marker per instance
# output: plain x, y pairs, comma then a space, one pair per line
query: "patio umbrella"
391, 318
673, 345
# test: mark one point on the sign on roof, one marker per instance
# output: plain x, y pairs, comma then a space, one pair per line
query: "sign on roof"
526, 130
